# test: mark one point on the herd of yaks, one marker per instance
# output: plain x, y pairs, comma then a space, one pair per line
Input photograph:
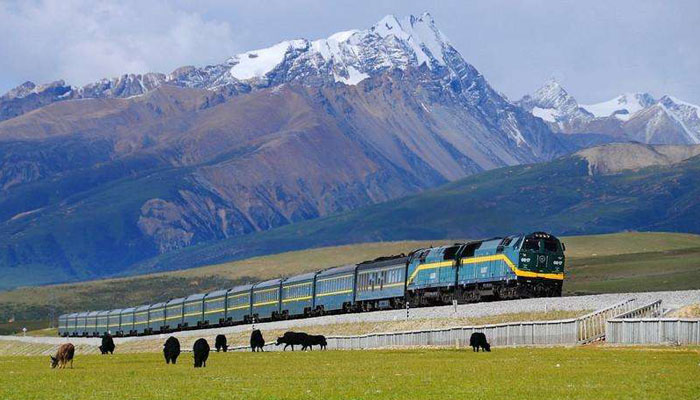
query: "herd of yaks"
201, 349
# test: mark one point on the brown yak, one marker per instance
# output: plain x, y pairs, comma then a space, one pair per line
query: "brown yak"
63, 356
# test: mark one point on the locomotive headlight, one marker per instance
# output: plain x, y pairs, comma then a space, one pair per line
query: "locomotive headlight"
525, 259
557, 262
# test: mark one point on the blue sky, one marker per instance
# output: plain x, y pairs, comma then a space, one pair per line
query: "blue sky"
596, 49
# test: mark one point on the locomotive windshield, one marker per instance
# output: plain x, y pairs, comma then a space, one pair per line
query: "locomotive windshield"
531, 244
551, 245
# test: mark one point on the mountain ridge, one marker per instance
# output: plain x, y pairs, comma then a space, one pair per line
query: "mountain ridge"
628, 117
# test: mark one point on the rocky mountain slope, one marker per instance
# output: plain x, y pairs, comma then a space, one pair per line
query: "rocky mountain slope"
98, 178
631, 116
587, 192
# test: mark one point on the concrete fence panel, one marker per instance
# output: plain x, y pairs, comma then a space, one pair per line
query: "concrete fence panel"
653, 331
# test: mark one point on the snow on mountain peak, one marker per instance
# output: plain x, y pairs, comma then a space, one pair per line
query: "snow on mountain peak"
551, 95
354, 53
622, 107
256, 63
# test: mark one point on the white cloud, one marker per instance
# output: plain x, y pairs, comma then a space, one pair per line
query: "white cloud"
82, 40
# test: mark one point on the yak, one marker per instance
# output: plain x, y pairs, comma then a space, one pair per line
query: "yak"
292, 339
302, 339
201, 352
257, 342
171, 350
64, 354
107, 345
315, 340
478, 340
220, 343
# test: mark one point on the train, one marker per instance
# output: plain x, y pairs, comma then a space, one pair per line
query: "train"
515, 266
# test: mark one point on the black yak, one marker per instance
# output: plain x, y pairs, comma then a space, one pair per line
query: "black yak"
302, 339
220, 343
64, 354
314, 340
171, 350
107, 345
201, 352
257, 342
478, 339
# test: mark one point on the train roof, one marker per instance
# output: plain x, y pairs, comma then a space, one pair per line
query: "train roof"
143, 307
343, 269
103, 313
268, 283
72, 315
117, 311
128, 310
152, 306
216, 293
179, 300
93, 313
198, 296
83, 314
301, 277
382, 262
241, 288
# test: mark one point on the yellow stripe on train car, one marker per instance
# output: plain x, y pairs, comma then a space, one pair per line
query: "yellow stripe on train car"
334, 293
266, 303
297, 299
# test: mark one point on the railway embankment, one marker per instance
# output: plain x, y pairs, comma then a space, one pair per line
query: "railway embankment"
425, 318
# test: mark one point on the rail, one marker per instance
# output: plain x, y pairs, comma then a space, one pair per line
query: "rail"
591, 327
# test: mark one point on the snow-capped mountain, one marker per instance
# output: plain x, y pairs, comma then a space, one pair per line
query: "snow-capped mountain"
298, 130
621, 107
630, 116
556, 106
348, 57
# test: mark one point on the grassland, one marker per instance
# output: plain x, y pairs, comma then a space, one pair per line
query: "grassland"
624, 262
515, 373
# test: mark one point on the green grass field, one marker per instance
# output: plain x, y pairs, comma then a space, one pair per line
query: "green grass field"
624, 262
513, 373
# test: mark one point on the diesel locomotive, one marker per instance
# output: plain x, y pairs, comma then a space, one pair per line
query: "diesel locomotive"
515, 266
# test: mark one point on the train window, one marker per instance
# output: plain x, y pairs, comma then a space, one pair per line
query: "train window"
551, 245
450, 253
531, 244
423, 255
470, 248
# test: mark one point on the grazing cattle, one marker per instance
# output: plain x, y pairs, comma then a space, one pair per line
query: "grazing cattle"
201, 353
314, 340
302, 339
64, 354
220, 343
171, 350
477, 340
107, 345
257, 342
292, 339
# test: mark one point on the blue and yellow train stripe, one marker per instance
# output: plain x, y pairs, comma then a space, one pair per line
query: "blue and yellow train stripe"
483, 259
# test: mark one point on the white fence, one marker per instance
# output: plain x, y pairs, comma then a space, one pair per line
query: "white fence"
560, 332
530, 333
652, 309
592, 326
653, 331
